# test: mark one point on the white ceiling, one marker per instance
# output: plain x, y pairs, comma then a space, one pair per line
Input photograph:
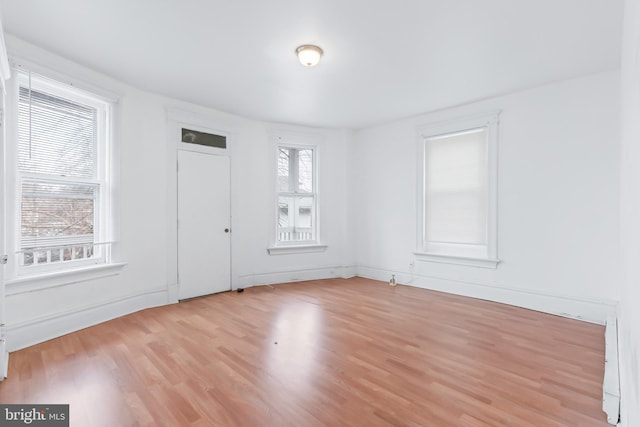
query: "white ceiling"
384, 59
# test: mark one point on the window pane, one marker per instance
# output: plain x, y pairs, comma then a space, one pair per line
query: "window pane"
41, 257
78, 252
304, 213
201, 138
456, 188
285, 220
27, 258
285, 205
296, 218
56, 136
305, 171
56, 214
284, 184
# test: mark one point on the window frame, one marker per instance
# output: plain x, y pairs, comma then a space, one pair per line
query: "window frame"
298, 141
460, 253
102, 227
296, 194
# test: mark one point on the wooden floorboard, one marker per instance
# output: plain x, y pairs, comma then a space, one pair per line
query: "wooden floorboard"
333, 352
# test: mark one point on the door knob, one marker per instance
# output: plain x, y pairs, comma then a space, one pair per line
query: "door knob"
226, 230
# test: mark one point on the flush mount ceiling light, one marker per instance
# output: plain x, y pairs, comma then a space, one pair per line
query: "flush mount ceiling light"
308, 54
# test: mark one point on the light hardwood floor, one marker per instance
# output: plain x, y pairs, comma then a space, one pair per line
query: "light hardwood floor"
334, 352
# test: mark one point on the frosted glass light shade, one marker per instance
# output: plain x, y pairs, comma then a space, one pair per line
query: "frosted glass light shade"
309, 55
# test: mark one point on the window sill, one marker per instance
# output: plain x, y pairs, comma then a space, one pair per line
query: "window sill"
458, 260
59, 278
299, 249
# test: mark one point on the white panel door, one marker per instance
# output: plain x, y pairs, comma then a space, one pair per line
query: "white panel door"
204, 216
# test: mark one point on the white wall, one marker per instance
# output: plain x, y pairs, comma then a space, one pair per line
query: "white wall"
557, 207
558, 199
144, 207
629, 334
254, 210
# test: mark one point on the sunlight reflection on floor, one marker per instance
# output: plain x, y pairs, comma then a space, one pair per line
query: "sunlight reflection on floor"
293, 358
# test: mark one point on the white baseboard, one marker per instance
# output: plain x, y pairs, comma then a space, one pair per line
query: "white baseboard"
594, 311
294, 275
34, 331
174, 295
4, 359
611, 384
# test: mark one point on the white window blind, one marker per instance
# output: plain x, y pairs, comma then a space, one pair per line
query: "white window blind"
456, 190
296, 195
59, 180
56, 136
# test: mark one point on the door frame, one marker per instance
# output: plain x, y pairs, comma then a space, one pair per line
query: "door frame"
177, 119
5, 75
4, 355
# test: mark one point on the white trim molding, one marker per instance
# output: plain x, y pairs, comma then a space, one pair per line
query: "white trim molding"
62, 278
33, 331
5, 69
4, 359
299, 249
585, 309
295, 275
611, 383
295, 139
466, 252
102, 179
457, 260
21, 63
177, 118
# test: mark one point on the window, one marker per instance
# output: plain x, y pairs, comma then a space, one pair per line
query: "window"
202, 138
61, 180
458, 187
296, 187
